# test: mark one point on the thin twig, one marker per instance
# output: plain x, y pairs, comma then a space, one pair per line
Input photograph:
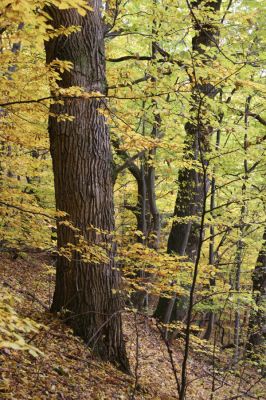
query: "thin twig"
170, 352
132, 397
26, 211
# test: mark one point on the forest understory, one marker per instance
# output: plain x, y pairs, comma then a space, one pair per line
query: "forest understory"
66, 369
132, 199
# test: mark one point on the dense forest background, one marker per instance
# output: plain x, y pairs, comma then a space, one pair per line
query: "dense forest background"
132, 208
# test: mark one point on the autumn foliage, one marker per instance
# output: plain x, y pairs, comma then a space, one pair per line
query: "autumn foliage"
132, 177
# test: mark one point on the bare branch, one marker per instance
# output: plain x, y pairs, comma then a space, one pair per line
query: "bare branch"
25, 211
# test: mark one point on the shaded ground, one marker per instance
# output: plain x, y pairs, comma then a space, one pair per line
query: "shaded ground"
67, 371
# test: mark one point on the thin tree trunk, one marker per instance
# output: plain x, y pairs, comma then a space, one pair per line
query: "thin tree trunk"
240, 243
87, 291
155, 228
211, 315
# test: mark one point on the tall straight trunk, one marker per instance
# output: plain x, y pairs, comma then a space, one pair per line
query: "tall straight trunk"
211, 315
155, 226
82, 164
155, 218
184, 236
237, 287
257, 322
240, 244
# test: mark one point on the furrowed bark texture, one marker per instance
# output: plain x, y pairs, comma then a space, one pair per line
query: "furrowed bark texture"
184, 236
82, 167
257, 323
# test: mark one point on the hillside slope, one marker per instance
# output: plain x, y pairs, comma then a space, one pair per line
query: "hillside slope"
67, 370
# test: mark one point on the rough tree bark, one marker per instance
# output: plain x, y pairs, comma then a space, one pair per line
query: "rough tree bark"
184, 236
82, 165
257, 322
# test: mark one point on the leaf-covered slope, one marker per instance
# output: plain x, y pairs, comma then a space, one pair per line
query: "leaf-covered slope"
67, 371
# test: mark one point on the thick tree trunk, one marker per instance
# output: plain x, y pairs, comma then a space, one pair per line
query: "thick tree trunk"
80, 149
257, 323
184, 236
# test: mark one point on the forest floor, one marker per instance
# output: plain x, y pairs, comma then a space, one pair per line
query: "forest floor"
68, 371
